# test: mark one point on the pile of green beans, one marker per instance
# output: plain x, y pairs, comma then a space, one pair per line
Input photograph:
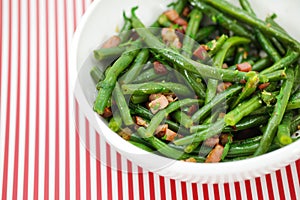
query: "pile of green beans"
226, 95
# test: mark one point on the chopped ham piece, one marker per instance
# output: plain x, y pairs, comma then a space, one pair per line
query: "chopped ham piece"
170, 135
201, 52
263, 86
125, 133
191, 159
224, 66
171, 15
224, 139
107, 113
211, 142
170, 37
192, 109
180, 21
140, 121
215, 155
223, 86
158, 104
171, 97
113, 41
152, 97
244, 67
161, 130
159, 68
186, 11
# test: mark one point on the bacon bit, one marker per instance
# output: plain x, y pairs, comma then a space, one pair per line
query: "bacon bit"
158, 104
171, 97
107, 112
263, 86
223, 86
191, 159
186, 11
244, 67
125, 133
140, 121
215, 155
201, 52
113, 41
211, 142
171, 15
161, 130
170, 135
243, 81
170, 37
224, 66
180, 22
224, 139
159, 68
192, 109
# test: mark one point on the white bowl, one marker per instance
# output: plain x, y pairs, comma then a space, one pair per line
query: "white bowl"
99, 23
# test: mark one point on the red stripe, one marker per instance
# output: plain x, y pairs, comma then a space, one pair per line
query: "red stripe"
6, 145
151, 185
83, 6
26, 153
227, 191
87, 159
75, 15
280, 184
46, 172
119, 171
16, 151
37, 111
237, 190
130, 181
248, 189
67, 131
173, 189
183, 190
258, 188
205, 191
269, 186
195, 191
298, 170
216, 191
56, 189
290, 181
141, 183
162, 188
0, 49
77, 153
98, 167
108, 172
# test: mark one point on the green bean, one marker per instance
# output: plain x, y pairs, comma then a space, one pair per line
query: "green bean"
108, 84
278, 46
219, 98
115, 122
96, 74
164, 21
204, 32
274, 121
156, 87
262, 39
191, 30
249, 89
218, 61
215, 45
243, 16
261, 64
294, 102
139, 98
183, 62
297, 78
283, 132
227, 147
213, 130
269, 98
122, 105
141, 146
290, 58
295, 123
244, 109
179, 5
223, 20
182, 118
195, 83
125, 30
136, 67
105, 53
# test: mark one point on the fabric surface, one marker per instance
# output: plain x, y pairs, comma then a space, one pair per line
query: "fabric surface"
41, 153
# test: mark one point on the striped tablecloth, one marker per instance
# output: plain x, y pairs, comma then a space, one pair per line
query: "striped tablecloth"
41, 153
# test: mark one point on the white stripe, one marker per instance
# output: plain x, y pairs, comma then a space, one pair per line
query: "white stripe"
103, 167
232, 191
253, 188
211, 193
221, 191
285, 183
274, 185
264, 187
243, 189
156, 186
93, 165
82, 145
